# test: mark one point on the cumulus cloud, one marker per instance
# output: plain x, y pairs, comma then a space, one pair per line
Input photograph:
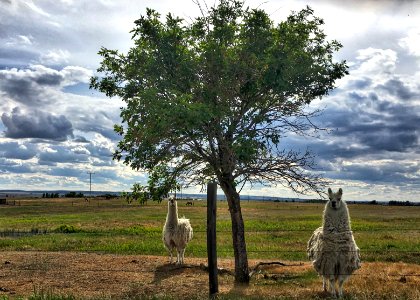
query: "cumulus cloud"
55, 57
97, 117
376, 61
36, 124
14, 167
411, 42
62, 154
15, 150
37, 85
374, 119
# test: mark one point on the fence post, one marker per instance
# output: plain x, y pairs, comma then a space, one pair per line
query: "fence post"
211, 239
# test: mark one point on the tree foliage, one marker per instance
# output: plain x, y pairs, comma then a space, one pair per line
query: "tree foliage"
160, 183
230, 82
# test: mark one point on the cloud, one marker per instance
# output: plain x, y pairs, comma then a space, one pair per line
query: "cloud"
385, 172
98, 116
10, 166
38, 85
36, 124
80, 139
373, 119
19, 41
66, 172
357, 132
15, 150
376, 61
411, 42
55, 57
397, 88
62, 154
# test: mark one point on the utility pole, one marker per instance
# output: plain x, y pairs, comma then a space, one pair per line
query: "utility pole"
90, 183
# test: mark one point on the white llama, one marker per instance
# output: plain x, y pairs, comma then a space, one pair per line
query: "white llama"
332, 248
176, 232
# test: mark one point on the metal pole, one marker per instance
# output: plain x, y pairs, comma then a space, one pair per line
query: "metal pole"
211, 239
90, 183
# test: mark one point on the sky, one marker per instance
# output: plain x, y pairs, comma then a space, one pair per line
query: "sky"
54, 129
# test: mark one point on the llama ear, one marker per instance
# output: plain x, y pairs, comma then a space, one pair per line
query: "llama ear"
340, 191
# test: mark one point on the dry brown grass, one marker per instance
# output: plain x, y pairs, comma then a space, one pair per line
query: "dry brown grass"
104, 276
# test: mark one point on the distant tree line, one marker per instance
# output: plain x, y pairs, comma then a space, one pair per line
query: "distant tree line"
402, 203
74, 195
50, 195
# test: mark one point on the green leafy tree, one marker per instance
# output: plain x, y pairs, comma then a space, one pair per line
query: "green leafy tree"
160, 183
213, 98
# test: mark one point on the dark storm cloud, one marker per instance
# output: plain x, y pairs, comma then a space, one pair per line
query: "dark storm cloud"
397, 88
23, 91
374, 123
36, 124
389, 140
38, 85
15, 150
374, 135
30, 87
390, 173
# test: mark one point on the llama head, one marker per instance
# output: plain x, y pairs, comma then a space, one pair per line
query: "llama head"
335, 198
171, 202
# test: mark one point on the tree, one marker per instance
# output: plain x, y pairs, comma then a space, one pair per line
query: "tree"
159, 185
213, 98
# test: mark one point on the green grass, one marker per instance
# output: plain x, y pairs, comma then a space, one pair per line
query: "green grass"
273, 230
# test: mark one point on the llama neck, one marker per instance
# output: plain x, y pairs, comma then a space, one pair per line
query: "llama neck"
172, 216
336, 220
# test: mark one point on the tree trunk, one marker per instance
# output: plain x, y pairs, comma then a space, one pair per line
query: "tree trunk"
238, 232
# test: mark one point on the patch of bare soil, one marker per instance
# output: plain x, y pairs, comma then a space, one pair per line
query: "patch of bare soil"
105, 276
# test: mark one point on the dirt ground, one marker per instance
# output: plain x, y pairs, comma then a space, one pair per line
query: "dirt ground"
106, 276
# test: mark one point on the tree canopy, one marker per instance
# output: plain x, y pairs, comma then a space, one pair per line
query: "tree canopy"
213, 97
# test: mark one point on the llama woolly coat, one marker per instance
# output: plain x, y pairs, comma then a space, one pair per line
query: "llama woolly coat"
177, 232
332, 247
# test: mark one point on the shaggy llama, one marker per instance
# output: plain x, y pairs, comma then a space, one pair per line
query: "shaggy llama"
332, 248
176, 232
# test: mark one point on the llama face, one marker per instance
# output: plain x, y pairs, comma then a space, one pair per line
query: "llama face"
172, 202
335, 198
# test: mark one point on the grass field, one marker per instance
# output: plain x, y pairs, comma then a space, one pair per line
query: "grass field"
277, 231
56, 249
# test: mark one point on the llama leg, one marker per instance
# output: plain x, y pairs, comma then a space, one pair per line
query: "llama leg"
182, 256
178, 257
324, 283
170, 255
341, 281
169, 248
332, 285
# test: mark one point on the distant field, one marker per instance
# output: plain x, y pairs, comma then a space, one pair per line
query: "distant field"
277, 231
